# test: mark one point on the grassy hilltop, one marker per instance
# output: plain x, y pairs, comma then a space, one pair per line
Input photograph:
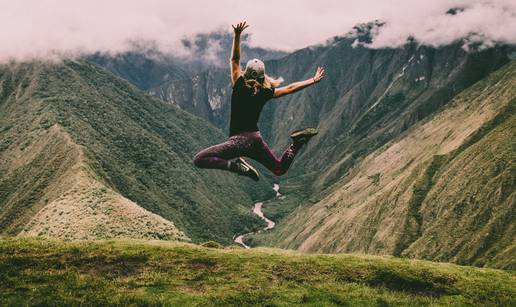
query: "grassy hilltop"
51, 272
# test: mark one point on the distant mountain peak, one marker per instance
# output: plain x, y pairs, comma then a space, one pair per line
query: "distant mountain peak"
365, 32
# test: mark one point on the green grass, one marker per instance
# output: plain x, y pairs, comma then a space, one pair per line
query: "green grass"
57, 273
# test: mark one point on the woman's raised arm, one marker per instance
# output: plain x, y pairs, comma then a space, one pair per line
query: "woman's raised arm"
235, 51
296, 86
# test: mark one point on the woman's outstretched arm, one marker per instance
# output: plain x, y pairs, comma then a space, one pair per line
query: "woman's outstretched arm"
235, 52
296, 86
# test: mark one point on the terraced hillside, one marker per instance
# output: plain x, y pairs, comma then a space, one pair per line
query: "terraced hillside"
83, 154
443, 190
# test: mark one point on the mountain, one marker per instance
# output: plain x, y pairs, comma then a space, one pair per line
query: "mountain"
389, 172
83, 154
443, 190
213, 50
369, 99
206, 95
132, 273
147, 67
143, 68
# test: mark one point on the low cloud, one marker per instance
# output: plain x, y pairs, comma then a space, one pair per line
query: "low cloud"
482, 23
46, 28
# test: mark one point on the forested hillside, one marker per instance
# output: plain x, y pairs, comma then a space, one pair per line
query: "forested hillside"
82, 152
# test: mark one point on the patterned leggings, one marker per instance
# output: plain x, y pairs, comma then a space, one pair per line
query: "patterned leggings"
246, 144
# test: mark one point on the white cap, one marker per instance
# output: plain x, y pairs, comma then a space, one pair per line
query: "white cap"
254, 69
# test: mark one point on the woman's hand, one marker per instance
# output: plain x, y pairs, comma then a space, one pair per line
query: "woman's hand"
319, 74
296, 86
240, 27
236, 72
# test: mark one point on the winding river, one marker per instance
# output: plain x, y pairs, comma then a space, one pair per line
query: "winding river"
258, 211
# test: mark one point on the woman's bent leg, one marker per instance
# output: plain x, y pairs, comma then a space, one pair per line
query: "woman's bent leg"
217, 156
266, 157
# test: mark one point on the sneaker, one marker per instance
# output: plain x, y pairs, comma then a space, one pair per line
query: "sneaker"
243, 168
302, 136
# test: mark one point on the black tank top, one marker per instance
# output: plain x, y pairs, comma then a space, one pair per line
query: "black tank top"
246, 107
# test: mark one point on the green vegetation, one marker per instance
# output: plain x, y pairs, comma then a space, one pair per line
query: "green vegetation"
375, 179
51, 272
58, 118
420, 190
475, 186
392, 105
143, 69
497, 144
446, 189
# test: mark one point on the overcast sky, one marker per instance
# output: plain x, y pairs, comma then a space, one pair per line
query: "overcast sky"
31, 28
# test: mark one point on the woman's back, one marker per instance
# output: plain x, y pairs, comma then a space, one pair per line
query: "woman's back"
246, 107
251, 90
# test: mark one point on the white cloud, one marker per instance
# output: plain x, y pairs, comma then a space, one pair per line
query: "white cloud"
34, 28
485, 22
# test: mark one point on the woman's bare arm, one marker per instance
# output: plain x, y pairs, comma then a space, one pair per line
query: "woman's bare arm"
235, 52
297, 86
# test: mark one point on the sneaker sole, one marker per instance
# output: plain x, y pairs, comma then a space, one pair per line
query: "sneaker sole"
244, 162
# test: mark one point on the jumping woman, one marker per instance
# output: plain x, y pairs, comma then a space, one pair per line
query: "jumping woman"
251, 90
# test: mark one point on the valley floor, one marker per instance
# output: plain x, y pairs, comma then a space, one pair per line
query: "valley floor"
51, 272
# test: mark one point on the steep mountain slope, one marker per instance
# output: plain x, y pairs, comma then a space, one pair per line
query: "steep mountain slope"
443, 190
206, 95
48, 189
371, 98
212, 50
146, 67
367, 98
81, 150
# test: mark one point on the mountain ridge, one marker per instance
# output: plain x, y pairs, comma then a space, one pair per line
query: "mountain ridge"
91, 210
147, 67
357, 103
135, 145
